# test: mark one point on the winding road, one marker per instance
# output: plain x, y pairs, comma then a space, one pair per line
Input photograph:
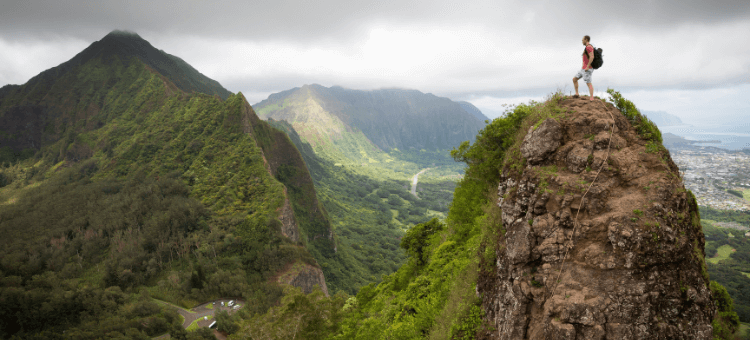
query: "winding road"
414, 182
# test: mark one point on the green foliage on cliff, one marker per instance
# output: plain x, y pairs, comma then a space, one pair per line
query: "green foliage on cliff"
644, 126
297, 316
726, 322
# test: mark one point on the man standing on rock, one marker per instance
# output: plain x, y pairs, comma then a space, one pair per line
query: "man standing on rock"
587, 70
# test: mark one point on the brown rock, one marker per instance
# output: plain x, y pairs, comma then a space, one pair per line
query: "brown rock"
619, 262
303, 276
539, 143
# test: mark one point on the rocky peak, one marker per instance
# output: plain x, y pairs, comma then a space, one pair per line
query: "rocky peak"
621, 258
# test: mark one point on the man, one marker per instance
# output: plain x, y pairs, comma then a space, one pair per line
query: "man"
587, 70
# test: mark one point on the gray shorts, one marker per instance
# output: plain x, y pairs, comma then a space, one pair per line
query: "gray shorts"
585, 74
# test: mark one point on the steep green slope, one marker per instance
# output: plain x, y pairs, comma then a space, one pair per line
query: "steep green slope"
389, 118
374, 132
138, 186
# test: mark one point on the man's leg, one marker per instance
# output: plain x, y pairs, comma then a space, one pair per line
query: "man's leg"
575, 84
591, 91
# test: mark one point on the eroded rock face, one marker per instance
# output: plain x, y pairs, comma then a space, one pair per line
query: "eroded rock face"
541, 142
288, 226
624, 262
305, 277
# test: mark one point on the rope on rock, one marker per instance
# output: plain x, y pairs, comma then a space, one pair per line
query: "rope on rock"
575, 220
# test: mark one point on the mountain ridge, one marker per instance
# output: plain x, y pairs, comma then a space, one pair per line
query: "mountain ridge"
662, 118
389, 118
133, 184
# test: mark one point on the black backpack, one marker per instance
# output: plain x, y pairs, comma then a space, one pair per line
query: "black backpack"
597, 62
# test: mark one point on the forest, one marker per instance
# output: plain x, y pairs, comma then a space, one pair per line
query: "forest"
729, 255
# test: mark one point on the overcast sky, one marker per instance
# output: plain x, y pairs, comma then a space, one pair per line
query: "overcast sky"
690, 58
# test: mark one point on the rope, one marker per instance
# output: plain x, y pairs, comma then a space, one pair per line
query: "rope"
575, 220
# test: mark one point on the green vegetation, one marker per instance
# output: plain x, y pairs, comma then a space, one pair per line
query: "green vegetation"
722, 253
156, 191
298, 316
728, 269
370, 212
432, 295
736, 193
362, 168
644, 126
726, 323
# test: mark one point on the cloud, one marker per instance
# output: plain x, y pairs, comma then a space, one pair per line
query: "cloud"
19, 61
697, 106
472, 48
302, 20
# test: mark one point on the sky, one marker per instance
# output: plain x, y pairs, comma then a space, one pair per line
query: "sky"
689, 58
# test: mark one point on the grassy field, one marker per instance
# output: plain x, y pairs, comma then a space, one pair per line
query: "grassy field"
194, 325
743, 331
721, 254
745, 193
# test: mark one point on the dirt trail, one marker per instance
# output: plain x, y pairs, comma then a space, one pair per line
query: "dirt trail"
414, 182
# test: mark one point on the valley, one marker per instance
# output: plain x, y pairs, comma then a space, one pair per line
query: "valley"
363, 149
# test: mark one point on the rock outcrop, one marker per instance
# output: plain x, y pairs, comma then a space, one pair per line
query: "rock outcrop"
304, 276
289, 227
623, 261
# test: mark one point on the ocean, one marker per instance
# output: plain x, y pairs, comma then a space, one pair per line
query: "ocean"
732, 137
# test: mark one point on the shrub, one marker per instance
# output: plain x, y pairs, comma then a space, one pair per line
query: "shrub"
644, 126
417, 238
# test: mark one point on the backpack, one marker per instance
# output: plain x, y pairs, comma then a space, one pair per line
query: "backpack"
597, 62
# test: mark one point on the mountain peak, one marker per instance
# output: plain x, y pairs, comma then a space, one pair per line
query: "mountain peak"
126, 45
122, 33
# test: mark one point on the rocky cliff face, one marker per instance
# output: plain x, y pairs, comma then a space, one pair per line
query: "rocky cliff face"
305, 277
621, 258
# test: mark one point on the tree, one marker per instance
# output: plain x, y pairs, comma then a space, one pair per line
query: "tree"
417, 238
226, 323
725, 322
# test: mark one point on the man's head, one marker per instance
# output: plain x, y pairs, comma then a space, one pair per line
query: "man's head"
586, 39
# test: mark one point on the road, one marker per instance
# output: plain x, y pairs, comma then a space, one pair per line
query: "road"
414, 182
200, 311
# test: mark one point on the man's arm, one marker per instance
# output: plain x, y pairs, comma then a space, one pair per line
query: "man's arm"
591, 59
